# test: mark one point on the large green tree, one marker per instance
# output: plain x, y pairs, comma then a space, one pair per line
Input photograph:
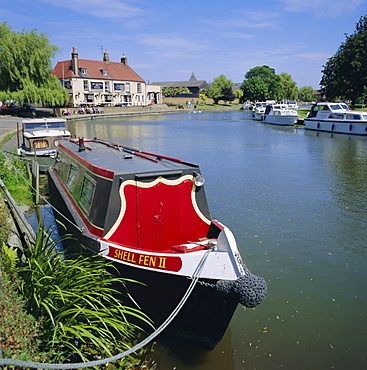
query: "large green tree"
254, 89
288, 88
269, 77
306, 93
25, 68
219, 89
345, 73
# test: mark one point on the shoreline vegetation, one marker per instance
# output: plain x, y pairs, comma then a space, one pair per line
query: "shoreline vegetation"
46, 293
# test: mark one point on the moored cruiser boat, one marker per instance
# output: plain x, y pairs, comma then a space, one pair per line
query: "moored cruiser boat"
336, 117
149, 214
41, 138
280, 114
258, 111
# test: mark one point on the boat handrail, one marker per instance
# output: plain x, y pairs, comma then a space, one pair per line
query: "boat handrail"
141, 153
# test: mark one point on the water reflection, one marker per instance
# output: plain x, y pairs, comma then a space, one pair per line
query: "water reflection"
296, 202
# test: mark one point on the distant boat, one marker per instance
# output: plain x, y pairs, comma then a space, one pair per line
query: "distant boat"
258, 111
280, 114
149, 214
247, 106
41, 137
336, 117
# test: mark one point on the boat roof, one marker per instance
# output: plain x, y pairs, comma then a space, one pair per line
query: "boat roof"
44, 124
120, 160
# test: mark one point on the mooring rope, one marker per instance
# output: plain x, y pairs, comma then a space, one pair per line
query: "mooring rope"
38, 365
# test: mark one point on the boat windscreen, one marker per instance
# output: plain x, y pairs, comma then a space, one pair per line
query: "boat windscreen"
44, 125
35, 126
56, 125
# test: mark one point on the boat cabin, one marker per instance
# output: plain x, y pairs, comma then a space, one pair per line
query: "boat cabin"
132, 198
42, 136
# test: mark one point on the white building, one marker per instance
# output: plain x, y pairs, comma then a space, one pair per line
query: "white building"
104, 83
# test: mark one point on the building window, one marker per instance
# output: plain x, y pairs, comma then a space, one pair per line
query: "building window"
66, 84
138, 87
107, 86
104, 72
127, 87
86, 85
83, 70
119, 87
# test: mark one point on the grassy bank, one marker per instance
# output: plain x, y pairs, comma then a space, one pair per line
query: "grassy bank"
66, 311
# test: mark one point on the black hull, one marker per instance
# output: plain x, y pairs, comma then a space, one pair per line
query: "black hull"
203, 319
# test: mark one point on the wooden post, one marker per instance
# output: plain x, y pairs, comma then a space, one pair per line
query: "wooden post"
36, 180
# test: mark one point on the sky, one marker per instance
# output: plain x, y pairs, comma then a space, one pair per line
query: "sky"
168, 40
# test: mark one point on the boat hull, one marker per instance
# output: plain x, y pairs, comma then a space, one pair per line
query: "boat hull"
280, 120
204, 317
345, 127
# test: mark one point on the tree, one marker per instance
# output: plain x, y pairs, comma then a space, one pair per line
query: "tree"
228, 95
288, 88
25, 68
269, 77
306, 93
345, 73
254, 89
173, 91
217, 92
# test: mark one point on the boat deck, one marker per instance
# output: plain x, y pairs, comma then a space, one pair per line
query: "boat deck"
100, 154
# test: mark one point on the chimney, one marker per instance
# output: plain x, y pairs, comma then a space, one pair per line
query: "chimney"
74, 62
106, 57
124, 60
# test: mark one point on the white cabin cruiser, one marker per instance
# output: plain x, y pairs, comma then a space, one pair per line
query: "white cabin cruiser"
280, 114
336, 117
258, 111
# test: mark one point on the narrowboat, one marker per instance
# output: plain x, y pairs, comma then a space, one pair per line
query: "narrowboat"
41, 138
336, 117
148, 213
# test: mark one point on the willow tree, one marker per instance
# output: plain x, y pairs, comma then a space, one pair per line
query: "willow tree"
25, 68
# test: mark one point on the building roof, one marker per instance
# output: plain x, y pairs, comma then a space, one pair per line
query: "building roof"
94, 68
192, 82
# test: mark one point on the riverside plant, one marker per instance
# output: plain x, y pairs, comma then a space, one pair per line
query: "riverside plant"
75, 300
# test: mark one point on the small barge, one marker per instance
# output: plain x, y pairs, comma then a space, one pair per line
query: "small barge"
40, 139
149, 214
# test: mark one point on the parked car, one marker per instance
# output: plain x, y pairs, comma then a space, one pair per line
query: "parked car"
15, 110
26, 111
11, 108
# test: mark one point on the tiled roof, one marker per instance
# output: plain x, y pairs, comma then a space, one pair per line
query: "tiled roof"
115, 71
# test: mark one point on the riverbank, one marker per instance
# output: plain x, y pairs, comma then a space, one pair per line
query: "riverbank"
147, 110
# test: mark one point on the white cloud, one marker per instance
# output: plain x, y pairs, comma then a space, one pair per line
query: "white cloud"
322, 8
170, 45
98, 8
314, 57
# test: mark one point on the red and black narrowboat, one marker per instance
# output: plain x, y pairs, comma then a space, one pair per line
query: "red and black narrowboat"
149, 214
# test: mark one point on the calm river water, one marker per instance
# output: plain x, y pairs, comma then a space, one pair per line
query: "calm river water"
296, 202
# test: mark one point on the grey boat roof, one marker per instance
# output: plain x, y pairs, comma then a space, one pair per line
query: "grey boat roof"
103, 155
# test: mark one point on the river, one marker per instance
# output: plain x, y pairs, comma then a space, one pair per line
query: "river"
296, 202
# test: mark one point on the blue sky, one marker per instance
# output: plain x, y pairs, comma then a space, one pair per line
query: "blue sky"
168, 40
